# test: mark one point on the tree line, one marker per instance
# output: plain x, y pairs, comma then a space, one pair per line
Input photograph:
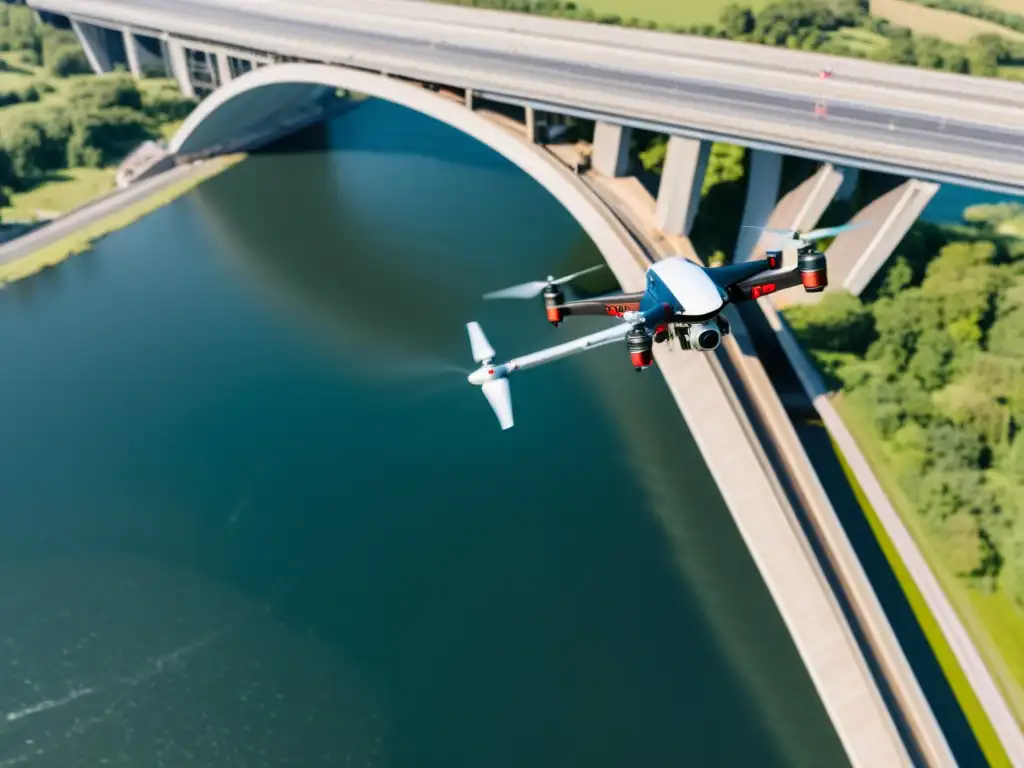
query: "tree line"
932, 359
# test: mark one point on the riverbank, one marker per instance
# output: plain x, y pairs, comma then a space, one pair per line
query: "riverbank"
104, 221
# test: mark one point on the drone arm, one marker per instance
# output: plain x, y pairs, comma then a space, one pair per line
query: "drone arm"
615, 306
582, 344
762, 286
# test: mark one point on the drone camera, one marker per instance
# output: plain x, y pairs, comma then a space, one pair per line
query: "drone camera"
704, 337
813, 271
553, 299
640, 345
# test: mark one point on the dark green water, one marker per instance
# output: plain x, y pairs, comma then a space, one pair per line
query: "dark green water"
251, 513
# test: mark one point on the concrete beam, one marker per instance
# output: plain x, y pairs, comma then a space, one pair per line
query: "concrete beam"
95, 46
131, 49
856, 256
224, 73
765, 172
610, 155
686, 163
178, 57
851, 177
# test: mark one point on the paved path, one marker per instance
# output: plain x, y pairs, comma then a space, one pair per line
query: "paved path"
48, 234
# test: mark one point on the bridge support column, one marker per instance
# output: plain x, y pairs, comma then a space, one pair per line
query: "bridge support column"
131, 50
762, 192
531, 124
851, 177
468, 97
95, 46
176, 54
610, 155
224, 73
856, 256
682, 177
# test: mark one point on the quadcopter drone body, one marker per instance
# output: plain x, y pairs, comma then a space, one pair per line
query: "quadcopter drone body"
681, 299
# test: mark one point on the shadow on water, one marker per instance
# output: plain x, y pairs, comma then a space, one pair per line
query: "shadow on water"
818, 445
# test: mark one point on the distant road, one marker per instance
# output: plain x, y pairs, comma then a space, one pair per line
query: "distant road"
59, 228
941, 127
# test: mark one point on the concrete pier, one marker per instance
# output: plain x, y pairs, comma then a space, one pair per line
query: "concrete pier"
611, 149
765, 175
178, 57
857, 255
224, 73
686, 163
94, 45
133, 51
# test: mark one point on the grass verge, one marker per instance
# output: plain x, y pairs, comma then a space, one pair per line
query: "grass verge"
83, 239
59, 193
946, 25
986, 735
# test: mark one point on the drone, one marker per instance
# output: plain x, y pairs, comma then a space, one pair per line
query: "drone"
682, 300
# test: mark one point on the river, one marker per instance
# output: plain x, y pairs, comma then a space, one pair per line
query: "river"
252, 514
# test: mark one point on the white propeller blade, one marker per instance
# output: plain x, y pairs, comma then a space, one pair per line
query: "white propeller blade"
522, 291
536, 287
818, 234
482, 349
499, 396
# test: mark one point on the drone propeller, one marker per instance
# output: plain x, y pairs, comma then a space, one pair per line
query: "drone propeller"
536, 287
794, 238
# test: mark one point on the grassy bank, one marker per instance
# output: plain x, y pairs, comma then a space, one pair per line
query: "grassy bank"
986, 735
84, 238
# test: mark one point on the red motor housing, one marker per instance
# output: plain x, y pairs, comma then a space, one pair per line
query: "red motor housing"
813, 271
639, 344
553, 300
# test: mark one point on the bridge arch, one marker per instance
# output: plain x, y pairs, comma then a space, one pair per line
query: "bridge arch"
269, 93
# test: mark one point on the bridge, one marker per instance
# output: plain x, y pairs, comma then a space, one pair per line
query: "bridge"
931, 128
264, 68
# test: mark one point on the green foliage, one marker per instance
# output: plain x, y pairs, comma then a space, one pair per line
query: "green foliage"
167, 104
100, 138
25, 94
103, 92
942, 378
838, 323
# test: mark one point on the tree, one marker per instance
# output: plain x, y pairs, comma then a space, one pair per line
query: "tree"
736, 20
68, 60
838, 323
